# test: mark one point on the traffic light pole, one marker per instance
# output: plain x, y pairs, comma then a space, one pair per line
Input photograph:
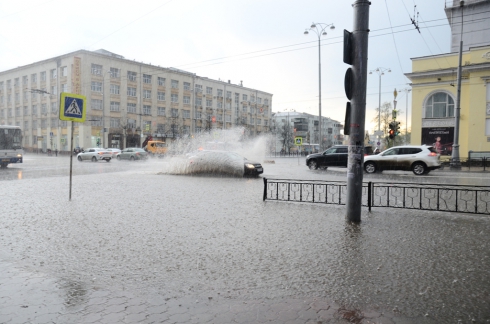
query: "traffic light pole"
358, 109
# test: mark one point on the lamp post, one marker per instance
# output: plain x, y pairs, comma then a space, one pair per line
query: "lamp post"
407, 91
103, 105
320, 30
380, 71
455, 161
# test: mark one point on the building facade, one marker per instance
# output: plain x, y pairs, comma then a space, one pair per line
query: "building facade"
434, 86
286, 126
126, 101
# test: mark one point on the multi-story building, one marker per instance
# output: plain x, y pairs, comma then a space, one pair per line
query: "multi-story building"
126, 101
286, 126
434, 85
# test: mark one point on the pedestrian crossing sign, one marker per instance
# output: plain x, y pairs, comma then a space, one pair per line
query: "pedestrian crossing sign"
298, 141
72, 107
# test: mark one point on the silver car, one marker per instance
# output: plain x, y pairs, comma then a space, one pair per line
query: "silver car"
94, 154
132, 153
420, 159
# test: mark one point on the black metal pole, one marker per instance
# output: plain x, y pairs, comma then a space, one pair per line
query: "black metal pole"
358, 110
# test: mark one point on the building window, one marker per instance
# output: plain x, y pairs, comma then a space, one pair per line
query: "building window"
33, 78
187, 86
259, 121
252, 98
228, 94
161, 111
34, 124
64, 71
220, 105
198, 130
244, 97
174, 97
44, 109
26, 125
220, 93
54, 90
209, 90
228, 106
228, 118
175, 113
96, 86
17, 97
147, 78
198, 115
24, 80
96, 104
198, 88
161, 128
9, 85
96, 69
114, 123
237, 98
147, 94
266, 101
175, 84
16, 82
209, 103
34, 110
115, 106
64, 87
115, 89
161, 96
131, 76
146, 110
187, 100
161, 81
199, 101
251, 120
439, 105
132, 108
131, 92
44, 123
26, 110
219, 117
115, 73
43, 76
186, 114
244, 108
186, 130
54, 108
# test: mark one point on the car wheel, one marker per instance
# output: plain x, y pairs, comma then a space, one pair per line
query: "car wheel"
94, 159
132, 158
419, 168
313, 165
370, 167
79, 158
108, 160
118, 158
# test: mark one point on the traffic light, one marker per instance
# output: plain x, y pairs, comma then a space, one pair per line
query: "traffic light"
392, 130
397, 128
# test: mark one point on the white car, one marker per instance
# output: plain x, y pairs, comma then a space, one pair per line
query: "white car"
94, 154
420, 159
114, 151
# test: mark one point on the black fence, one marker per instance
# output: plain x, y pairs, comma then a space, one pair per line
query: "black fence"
449, 198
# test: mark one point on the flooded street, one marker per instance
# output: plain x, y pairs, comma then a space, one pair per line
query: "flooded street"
133, 233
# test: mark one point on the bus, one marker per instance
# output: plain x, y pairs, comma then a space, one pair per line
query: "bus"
10, 145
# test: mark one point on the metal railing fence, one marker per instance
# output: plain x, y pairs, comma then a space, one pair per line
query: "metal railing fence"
438, 197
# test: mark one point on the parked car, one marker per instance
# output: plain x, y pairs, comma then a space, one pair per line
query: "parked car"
418, 159
132, 153
94, 154
225, 162
114, 151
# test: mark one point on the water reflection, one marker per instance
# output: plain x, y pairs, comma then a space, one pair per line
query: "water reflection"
75, 293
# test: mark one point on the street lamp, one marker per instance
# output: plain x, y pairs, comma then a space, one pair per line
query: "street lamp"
320, 30
380, 71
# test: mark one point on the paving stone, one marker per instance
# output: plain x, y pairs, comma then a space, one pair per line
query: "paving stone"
134, 318
112, 318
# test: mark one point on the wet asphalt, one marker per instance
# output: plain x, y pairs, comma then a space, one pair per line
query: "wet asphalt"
138, 245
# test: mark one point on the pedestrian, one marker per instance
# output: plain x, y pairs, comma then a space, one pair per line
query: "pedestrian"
56, 152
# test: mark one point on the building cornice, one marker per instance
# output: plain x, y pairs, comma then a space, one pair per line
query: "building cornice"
466, 70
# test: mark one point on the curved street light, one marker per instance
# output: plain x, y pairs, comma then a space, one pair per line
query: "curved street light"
380, 71
320, 30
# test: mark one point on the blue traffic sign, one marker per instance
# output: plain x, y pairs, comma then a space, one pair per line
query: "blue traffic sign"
72, 107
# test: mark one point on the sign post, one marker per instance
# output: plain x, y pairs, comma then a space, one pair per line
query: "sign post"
72, 108
298, 141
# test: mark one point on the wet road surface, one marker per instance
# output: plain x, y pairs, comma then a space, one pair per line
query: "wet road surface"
138, 246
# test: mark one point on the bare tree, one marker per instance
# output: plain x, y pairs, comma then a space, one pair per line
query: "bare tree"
385, 118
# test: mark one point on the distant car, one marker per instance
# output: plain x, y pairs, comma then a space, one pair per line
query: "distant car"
132, 154
418, 159
335, 156
225, 162
114, 151
94, 154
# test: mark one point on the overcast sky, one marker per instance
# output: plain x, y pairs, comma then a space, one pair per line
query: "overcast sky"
259, 42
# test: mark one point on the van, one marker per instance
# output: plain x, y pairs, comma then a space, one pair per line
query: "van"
156, 148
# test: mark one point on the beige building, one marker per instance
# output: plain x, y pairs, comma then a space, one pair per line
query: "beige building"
126, 101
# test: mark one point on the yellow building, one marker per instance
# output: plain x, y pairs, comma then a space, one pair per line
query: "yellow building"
434, 93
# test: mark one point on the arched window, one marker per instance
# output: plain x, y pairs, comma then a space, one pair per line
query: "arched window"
439, 105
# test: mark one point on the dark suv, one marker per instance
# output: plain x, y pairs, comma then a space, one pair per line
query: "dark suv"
335, 156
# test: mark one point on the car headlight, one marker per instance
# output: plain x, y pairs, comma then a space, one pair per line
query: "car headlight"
19, 155
249, 166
